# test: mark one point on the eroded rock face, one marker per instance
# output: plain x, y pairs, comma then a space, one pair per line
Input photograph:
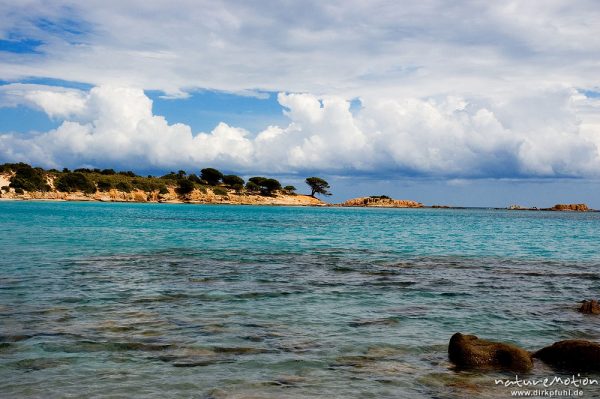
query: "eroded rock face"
590, 307
572, 354
469, 352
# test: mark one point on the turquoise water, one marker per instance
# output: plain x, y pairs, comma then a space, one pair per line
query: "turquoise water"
200, 301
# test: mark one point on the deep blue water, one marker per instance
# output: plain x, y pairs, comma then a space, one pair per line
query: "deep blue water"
156, 300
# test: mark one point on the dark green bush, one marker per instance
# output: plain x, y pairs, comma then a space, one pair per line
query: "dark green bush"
194, 178
19, 191
269, 186
69, 182
257, 180
220, 191
290, 189
163, 190
252, 187
233, 180
28, 178
104, 185
184, 187
124, 186
211, 176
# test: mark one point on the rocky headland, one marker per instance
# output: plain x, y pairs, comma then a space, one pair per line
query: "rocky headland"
36, 184
197, 196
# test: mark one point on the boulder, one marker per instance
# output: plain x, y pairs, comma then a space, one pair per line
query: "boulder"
572, 354
470, 352
590, 307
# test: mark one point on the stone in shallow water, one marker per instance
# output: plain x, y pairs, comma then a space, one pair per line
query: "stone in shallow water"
572, 354
590, 307
388, 321
470, 352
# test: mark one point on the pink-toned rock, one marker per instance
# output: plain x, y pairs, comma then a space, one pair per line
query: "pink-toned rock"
470, 352
590, 307
381, 202
570, 207
571, 354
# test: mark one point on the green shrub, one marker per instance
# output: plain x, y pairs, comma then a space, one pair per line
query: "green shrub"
5, 188
233, 181
28, 178
184, 187
220, 191
257, 180
124, 186
69, 182
104, 185
290, 189
211, 176
252, 187
194, 178
19, 191
163, 190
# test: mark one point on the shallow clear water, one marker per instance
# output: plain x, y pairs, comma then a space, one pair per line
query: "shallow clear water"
157, 300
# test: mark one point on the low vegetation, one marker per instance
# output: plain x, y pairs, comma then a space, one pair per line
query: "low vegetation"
25, 178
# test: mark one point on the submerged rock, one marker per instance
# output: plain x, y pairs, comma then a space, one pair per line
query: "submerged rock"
468, 351
572, 354
590, 307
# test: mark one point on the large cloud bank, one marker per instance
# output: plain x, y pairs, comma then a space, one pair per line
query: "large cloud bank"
454, 89
553, 133
344, 47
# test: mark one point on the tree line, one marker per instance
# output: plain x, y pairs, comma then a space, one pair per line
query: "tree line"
28, 178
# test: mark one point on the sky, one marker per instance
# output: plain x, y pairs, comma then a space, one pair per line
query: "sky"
461, 103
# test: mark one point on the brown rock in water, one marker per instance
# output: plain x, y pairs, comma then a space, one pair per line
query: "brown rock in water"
468, 351
381, 202
572, 354
590, 307
570, 207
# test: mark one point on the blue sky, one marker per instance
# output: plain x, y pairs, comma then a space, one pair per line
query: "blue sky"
380, 98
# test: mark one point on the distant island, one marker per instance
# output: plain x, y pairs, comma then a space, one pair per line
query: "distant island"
20, 181
381, 201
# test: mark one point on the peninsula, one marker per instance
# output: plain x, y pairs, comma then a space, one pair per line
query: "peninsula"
24, 182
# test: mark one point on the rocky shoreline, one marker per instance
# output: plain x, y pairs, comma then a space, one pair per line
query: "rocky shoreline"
195, 197
471, 352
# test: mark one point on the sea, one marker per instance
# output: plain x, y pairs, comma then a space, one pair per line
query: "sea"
127, 300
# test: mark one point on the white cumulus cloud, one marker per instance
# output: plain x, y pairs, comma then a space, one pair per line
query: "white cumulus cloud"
550, 133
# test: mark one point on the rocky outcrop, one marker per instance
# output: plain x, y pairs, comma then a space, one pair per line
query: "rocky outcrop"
470, 352
573, 354
381, 202
570, 207
590, 307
